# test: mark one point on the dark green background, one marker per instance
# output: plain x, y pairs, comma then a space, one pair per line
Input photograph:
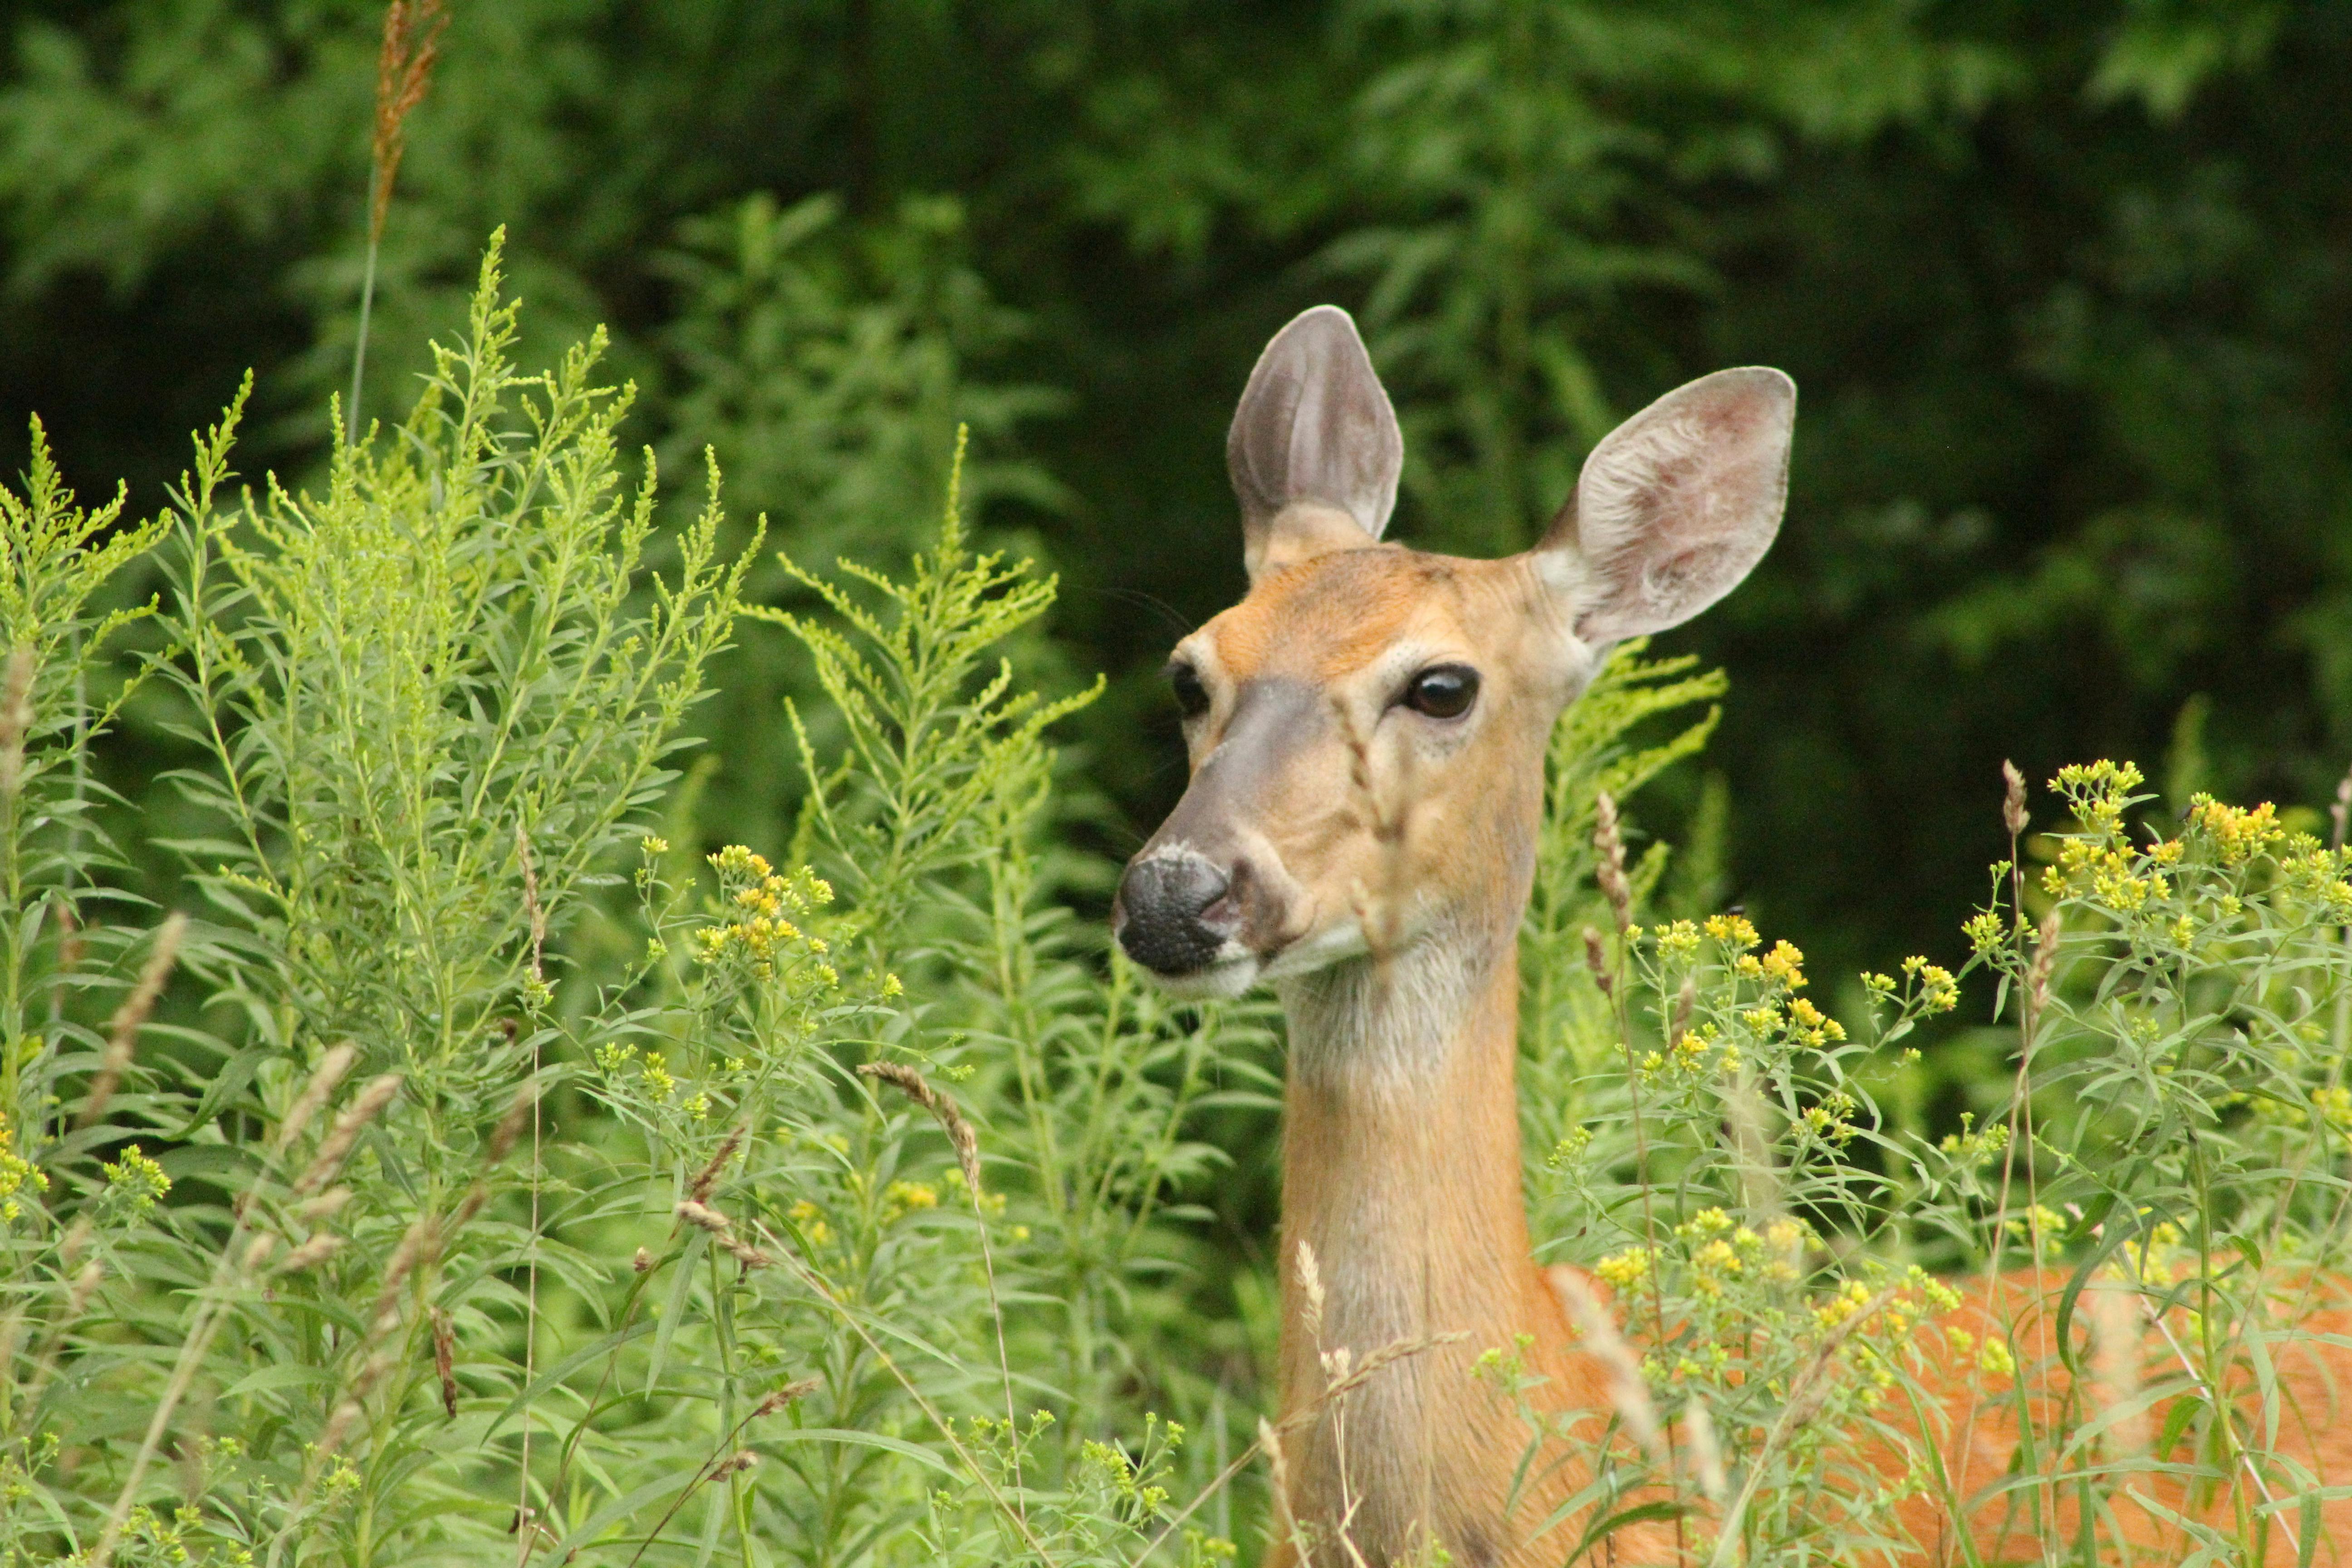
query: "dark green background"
2067, 289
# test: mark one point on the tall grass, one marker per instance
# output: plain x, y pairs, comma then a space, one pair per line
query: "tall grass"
484, 1167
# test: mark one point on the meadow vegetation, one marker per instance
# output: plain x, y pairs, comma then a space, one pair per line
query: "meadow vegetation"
488, 1161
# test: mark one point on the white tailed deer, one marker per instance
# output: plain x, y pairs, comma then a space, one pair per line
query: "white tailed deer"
1354, 673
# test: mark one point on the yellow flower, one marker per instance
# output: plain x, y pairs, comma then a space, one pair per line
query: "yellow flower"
658, 1083
2238, 835
17, 1174
811, 1220
1625, 1270
140, 1179
902, 1198
1938, 992
1849, 1298
1785, 964
1732, 929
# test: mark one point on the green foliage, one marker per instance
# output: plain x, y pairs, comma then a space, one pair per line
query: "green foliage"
481, 1164
831, 368
424, 1211
2061, 287
2164, 1156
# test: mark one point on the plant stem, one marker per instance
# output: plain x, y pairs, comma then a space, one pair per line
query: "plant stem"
359, 348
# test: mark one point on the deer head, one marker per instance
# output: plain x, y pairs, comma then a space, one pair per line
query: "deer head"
1367, 727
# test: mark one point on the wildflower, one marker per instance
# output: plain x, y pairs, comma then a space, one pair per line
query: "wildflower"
1974, 1147
137, 1181
1817, 1027
1785, 964
1732, 930
17, 1174
1833, 1118
1983, 931
1848, 1298
1678, 940
657, 1081
1938, 992
811, 1220
1623, 1270
902, 1198
1716, 1257
2238, 834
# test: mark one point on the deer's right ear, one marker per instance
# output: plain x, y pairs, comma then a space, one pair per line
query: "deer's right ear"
1675, 505
1314, 451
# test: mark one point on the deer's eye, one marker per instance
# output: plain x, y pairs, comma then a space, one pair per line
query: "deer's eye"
1442, 691
1192, 696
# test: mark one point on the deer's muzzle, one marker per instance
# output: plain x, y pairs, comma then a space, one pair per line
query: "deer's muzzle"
1176, 919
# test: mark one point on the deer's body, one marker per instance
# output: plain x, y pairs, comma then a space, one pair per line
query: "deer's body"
1367, 730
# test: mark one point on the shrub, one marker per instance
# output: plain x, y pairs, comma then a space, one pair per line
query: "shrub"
478, 1169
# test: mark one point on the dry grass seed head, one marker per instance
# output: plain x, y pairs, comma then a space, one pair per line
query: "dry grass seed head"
1628, 1393
509, 1128
1277, 1474
707, 1177
2013, 803
1609, 844
122, 1033
323, 1079
2045, 961
70, 946
791, 1394
403, 71
15, 719
444, 1359
311, 1253
914, 1087
1706, 1451
722, 1232
1310, 1284
2116, 1337
420, 1243
337, 1146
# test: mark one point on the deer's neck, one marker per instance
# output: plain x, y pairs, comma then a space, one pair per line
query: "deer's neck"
1401, 1170
1401, 1146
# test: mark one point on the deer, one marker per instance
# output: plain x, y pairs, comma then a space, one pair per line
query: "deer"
1356, 670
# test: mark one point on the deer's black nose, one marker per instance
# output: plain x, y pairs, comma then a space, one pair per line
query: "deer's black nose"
1163, 913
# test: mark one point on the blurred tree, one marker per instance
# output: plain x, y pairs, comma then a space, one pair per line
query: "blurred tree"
2069, 292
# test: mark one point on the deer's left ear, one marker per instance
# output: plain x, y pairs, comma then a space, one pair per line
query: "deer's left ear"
1675, 506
